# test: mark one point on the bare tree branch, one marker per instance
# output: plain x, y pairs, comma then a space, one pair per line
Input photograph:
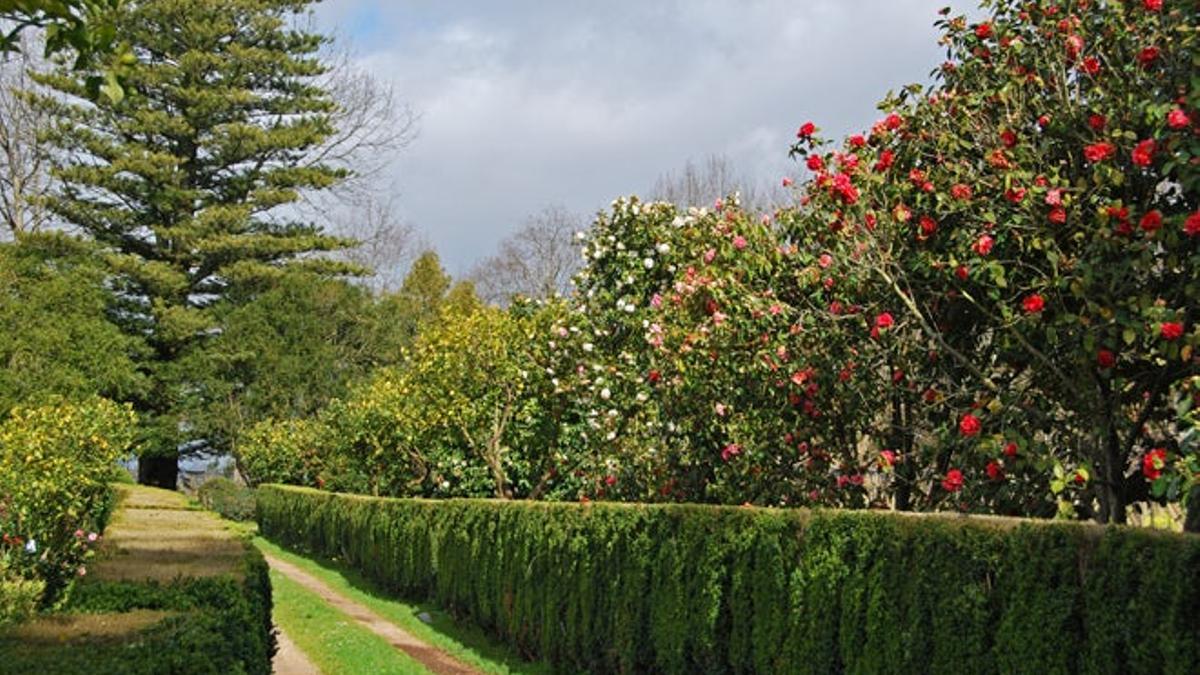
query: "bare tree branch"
24, 178
536, 261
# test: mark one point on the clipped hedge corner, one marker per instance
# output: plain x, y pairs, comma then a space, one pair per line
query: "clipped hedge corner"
688, 589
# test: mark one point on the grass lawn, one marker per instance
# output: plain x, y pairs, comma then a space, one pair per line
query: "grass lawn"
330, 639
467, 643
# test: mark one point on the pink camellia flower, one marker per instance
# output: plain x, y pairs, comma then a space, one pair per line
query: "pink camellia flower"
969, 425
1171, 330
719, 318
730, 451
1074, 46
1178, 119
739, 242
79, 534
719, 409
775, 309
709, 255
1054, 197
825, 260
953, 481
984, 244
656, 301
1143, 153
787, 181
887, 459
92, 537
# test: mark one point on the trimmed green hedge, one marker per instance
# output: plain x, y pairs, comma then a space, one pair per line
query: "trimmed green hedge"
690, 589
219, 624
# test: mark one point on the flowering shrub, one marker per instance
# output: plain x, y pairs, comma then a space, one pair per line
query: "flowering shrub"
281, 451
55, 465
1032, 218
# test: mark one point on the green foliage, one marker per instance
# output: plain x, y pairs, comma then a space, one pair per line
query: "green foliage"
232, 501
55, 465
55, 337
182, 180
419, 300
689, 589
286, 451
284, 351
19, 596
85, 28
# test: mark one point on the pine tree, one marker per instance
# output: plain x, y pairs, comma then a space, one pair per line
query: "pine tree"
187, 180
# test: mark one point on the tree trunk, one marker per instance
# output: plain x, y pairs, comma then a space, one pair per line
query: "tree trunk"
159, 471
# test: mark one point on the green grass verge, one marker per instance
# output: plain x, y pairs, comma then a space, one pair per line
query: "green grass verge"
332, 640
467, 643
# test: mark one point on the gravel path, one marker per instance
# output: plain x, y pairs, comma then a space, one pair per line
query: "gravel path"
436, 660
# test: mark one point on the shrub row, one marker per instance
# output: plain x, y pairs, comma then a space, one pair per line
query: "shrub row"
226, 497
688, 589
217, 624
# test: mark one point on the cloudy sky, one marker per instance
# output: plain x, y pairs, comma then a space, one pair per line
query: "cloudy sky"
525, 104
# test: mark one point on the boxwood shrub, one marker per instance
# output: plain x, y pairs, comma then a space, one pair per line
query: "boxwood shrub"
214, 624
690, 589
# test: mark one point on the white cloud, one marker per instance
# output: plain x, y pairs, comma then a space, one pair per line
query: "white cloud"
527, 103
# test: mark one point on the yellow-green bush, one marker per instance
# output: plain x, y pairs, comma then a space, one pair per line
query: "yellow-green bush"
688, 589
56, 462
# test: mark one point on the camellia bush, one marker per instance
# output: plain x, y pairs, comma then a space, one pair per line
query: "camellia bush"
1032, 220
56, 464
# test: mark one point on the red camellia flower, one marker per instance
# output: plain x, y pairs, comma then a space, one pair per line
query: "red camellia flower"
654, 377
1010, 450
1015, 195
884, 321
885, 160
962, 272
1090, 65
983, 245
1171, 330
1178, 119
1033, 304
815, 163
857, 141
1008, 138
928, 227
1097, 122
1152, 5
969, 425
953, 481
893, 121
1143, 153
983, 31
1098, 152
1151, 222
806, 130
960, 191
1153, 463
1106, 359
1058, 215
1148, 55
995, 470
1191, 226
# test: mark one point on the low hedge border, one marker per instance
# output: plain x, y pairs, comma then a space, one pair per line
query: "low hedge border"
216, 622
687, 589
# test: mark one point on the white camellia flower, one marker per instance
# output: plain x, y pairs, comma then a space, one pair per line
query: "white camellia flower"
648, 263
611, 435
641, 397
605, 394
587, 346
663, 248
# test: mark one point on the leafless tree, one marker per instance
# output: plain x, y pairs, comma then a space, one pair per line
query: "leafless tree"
537, 260
24, 158
715, 178
387, 244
